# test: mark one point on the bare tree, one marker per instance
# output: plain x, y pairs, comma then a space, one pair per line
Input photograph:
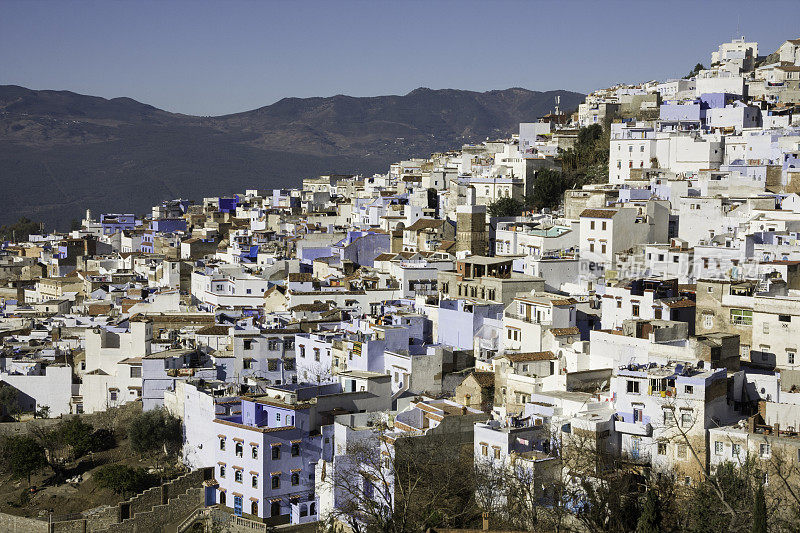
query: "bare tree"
395, 484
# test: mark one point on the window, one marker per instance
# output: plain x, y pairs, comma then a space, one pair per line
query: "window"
591, 224
222, 497
784, 318
221, 470
764, 450
603, 248
657, 313
276, 453
736, 449
619, 304
591, 247
278, 417
222, 443
662, 448
237, 476
790, 357
633, 386
604, 225
688, 389
248, 344
239, 449
638, 414
113, 395
682, 451
484, 450
635, 309
686, 420
254, 481
254, 451
254, 508
276, 482
295, 479
302, 350
295, 449
136, 371
718, 447
742, 317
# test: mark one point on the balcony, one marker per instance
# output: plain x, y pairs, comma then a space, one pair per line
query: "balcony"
523, 318
634, 428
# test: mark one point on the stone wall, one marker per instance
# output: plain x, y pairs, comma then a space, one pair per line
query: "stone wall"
10, 523
161, 515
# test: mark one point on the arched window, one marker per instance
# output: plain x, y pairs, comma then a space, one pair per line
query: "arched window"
237, 476
295, 478
254, 508
239, 449
222, 498
312, 509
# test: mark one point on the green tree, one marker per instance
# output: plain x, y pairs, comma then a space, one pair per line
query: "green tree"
156, 431
78, 435
548, 189
650, 519
23, 456
505, 207
20, 230
759, 512
697, 68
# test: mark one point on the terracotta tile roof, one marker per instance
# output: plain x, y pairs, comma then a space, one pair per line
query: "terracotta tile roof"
213, 330
484, 379
563, 332
598, 213
298, 276
524, 357
425, 223
385, 257
680, 303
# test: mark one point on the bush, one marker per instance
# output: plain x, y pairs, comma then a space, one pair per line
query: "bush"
123, 479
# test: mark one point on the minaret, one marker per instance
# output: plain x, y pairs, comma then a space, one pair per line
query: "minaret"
471, 225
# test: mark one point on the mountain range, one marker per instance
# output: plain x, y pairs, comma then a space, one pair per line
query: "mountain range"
62, 152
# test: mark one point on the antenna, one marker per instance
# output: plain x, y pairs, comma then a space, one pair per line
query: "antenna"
738, 16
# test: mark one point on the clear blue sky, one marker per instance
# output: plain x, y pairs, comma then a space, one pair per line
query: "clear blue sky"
210, 58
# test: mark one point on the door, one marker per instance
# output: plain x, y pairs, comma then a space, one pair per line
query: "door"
237, 505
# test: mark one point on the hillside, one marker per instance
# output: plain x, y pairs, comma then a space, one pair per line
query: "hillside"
62, 152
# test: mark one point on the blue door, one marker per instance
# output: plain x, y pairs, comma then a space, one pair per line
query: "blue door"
237, 505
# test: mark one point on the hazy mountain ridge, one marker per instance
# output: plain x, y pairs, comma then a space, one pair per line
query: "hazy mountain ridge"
62, 152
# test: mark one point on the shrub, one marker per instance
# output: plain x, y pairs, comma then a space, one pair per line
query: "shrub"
123, 479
